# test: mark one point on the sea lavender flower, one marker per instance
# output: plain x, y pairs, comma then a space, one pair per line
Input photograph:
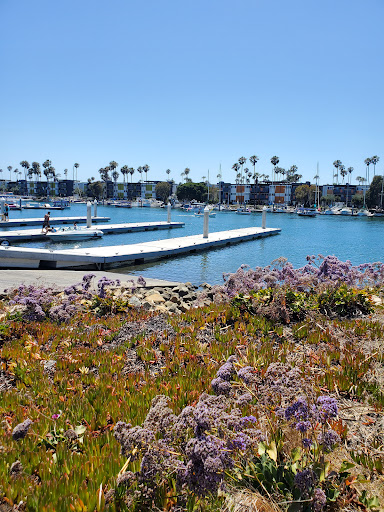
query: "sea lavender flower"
305, 480
244, 399
307, 443
326, 407
246, 374
319, 500
221, 387
328, 439
303, 426
141, 281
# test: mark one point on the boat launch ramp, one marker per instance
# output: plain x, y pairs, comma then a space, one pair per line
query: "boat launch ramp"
101, 258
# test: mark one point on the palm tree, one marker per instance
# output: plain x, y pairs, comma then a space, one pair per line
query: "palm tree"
10, 172
343, 172
367, 162
124, 171
253, 159
242, 161
337, 164
36, 169
65, 173
350, 170
75, 166
374, 161
362, 180
115, 175
236, 167
140, 171
131, 172
274, 161
25, 166
168, 171
187, 170
146, 169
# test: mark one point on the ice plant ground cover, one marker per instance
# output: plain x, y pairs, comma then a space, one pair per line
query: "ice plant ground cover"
271, 398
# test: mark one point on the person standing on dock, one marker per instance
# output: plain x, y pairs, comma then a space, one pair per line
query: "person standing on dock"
6, 212
46, 225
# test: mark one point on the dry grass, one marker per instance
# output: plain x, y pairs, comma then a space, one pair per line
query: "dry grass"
249, 501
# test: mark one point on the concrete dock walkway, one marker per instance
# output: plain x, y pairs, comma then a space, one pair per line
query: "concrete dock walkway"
15, 223
30, 235
121, 255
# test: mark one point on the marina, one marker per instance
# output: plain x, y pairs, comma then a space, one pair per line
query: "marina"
344, 236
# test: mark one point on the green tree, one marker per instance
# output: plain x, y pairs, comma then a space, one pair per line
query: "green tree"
190, 191
357, 200
373, 197
95, 189
163, 190
305, 194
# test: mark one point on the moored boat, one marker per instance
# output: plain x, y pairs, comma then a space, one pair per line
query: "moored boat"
306, 212
71, 235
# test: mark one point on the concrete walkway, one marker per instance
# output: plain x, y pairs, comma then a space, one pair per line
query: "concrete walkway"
37, 221
30, 235
62, 278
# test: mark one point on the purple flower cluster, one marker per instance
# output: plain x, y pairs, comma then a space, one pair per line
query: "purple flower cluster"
319, 500
37, 301
221, 384
102, 284
198, 445
326, 408
328, 439
328, 271
306, 480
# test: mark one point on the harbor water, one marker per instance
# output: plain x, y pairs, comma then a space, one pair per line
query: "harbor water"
358, 239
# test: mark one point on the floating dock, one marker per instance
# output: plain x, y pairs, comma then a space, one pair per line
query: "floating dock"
38, 221
33, 235
123, 255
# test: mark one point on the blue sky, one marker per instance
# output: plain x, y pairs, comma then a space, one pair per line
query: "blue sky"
182, 83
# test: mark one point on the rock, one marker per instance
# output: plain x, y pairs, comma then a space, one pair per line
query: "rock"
175, 299
183, 307
156, 298
173, 308
134, 301
21, 430
206, 286
181, 290
70, 434
16, 468
161, 308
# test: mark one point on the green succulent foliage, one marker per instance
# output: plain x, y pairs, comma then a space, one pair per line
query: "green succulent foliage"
344, 302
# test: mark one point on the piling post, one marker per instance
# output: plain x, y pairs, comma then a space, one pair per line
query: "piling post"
206, 222
264, 218
2, 203
95, 208
169, 213
89, 214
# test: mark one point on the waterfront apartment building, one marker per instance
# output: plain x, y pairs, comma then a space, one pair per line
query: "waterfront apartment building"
265, 193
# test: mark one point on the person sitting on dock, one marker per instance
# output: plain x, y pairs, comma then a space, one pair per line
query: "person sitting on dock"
46, 225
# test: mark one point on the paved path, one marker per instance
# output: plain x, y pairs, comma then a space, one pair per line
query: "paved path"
63, 278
